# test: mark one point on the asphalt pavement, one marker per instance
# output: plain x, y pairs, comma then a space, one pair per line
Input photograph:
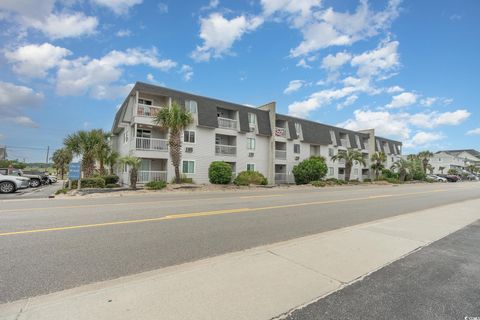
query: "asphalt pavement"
55, 244
43, 191
440, 281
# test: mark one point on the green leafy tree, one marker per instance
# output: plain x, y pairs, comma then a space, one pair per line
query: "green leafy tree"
403, 167
351, 157
430, 168
103, 149
133, 163
112, 159
425, 156
311, 169
378, 163
441, 169
85, 144
175, 119
61, 159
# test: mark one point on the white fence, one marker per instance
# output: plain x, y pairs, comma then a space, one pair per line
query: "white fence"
147, 176
151, 144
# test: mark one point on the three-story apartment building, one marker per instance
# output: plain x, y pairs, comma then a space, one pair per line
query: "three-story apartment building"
247, 138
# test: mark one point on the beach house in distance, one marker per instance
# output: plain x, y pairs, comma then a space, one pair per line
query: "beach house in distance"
247, 138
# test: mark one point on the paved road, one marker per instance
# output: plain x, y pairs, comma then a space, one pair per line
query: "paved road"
50, 245
32, 193
438, 282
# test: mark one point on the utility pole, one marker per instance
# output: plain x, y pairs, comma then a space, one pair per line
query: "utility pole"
46, 160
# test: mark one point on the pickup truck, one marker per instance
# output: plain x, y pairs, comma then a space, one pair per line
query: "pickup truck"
35, 179
12, 183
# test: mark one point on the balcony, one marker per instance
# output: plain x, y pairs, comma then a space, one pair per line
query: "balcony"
225, 150
144, 110
280, 132
151, 144
281, 154
147, 176
227, 123
345, 143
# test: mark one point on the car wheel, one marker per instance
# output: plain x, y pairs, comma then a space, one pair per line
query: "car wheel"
34, 183
7, 187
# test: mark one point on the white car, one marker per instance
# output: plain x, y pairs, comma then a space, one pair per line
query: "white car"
12, 183
436, 178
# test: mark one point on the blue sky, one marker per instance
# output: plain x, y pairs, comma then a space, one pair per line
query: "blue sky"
410, 69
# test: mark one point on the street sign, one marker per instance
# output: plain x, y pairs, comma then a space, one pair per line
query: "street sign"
74, 171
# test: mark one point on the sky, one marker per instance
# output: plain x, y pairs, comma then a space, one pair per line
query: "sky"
409, 69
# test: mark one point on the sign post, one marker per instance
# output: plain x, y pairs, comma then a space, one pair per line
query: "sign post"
74, 173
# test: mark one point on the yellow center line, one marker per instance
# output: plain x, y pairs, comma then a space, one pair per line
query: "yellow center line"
211, 213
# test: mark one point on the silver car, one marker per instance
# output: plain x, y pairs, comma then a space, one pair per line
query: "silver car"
10, 184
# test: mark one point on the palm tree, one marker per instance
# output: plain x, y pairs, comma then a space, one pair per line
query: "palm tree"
378, 160
175, 119
430, 168
351, 156
403, 166
472, 168
133, 163
103, 149
61, 158
441, 169
85, 144
112, 159
425, 157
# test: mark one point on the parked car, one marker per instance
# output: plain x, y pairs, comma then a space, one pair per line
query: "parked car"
52, 178
436, 178
35, 179
12, 183
43, 175
453, 178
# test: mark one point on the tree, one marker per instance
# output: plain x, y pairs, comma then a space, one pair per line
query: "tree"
103, 149
175, 119
378, 160
112, 159
351, 157
453, 171
311, 169
472, 168
441, 169
403, 167
61, 158
133, 163
425, 156
430, 168
85, 144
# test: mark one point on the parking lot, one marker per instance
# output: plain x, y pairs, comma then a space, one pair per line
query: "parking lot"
43, 191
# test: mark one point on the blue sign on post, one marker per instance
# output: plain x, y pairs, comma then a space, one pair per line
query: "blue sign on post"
74, 171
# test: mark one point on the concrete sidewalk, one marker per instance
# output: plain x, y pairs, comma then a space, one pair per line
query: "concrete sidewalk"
259, 283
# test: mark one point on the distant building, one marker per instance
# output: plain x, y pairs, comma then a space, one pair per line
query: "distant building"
454, 159
3, 153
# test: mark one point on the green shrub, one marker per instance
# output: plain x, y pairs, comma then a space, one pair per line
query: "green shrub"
112, 185
392, 180
183, 179
367, 180
92, 183
386, 173
110, 179
155, 185
62, 191
246, 178
318, 183
220, 172
309, 170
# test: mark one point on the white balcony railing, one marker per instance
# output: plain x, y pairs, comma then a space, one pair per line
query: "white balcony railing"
280, 132
147, 176
227, 123
151, 144
225, 150
144, 110
281, 154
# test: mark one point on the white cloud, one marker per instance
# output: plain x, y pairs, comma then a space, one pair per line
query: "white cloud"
297, 12
118, 6
473, 132
219, 34
162, 7
383, 58
95, 76
303, 63
404, 99
40, 15
14, 100
394, 89
293, 86
187, 72
427, 102
124, 33
423, 138
150, 77
333, 62
331, 28
348, 102
35, 60
211, 5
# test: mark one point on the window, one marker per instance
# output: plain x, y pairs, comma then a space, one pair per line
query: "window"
331, 171
145, 102
191, 106
250, 167
331, 152
252, 119
251, 143
125, 135
298, 128
125, 168
141, 133
188, 166
296, 148
189, 136
341, 170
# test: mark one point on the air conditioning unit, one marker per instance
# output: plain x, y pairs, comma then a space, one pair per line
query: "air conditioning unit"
188, 149
297, 158
251, 154
252, 128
